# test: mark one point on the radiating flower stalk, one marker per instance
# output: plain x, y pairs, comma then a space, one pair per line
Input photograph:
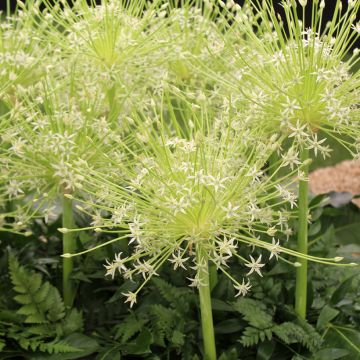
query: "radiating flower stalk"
57, 127
298, 79
196, 195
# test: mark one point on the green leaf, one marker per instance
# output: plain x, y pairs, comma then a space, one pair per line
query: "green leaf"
330, 354
344, 338
254, 312
220, 305
231, 354
110, 353
177, 338
348, 234
314, 228
228, 326
340, 292
326, 315
85, 345
265, 350
141, 345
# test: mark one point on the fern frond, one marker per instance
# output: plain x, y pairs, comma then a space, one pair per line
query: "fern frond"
58, 347
163, 322
73, 322
173, 295
252, 336
40, 302
254, 312
303, 333
129, 327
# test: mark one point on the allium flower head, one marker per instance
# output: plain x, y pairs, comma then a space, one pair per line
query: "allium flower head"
47, 138
194, 194
23, 57
301, 78
112, 46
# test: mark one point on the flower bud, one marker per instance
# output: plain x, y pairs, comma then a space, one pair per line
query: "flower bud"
303, 2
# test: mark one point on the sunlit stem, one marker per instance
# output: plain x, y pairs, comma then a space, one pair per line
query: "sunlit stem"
206, 309
302, 246
69, 246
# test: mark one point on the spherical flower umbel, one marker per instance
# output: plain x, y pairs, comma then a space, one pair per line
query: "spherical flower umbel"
194, 195
42, 146
299, 78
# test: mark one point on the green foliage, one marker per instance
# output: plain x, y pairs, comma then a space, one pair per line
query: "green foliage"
291, 333
159, 324
262, 327
39, 322
39, 301
165, 322
129, 327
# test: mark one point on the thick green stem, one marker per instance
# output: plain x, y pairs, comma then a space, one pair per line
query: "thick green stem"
69, 246
206, 311
302, 246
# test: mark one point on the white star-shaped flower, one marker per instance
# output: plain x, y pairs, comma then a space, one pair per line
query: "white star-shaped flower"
242, 288
178, 260
255, 265
130, 297
275, 249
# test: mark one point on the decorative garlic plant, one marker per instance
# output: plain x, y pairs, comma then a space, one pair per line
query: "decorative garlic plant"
114, 47
192, 195
298, 78
103, 56
22, 54
23, 65
49, 136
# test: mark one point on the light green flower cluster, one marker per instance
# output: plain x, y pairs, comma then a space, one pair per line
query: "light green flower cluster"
50, 135
296, 76
184, 195
160, 122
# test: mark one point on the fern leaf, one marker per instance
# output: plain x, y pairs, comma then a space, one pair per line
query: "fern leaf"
252, 336
173, 295
254, 312
28, 309
163, 322
178, 338
43, 292
57, 347
303, 333
41, 302
24, 299
73, 322
128, 328
54, 305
